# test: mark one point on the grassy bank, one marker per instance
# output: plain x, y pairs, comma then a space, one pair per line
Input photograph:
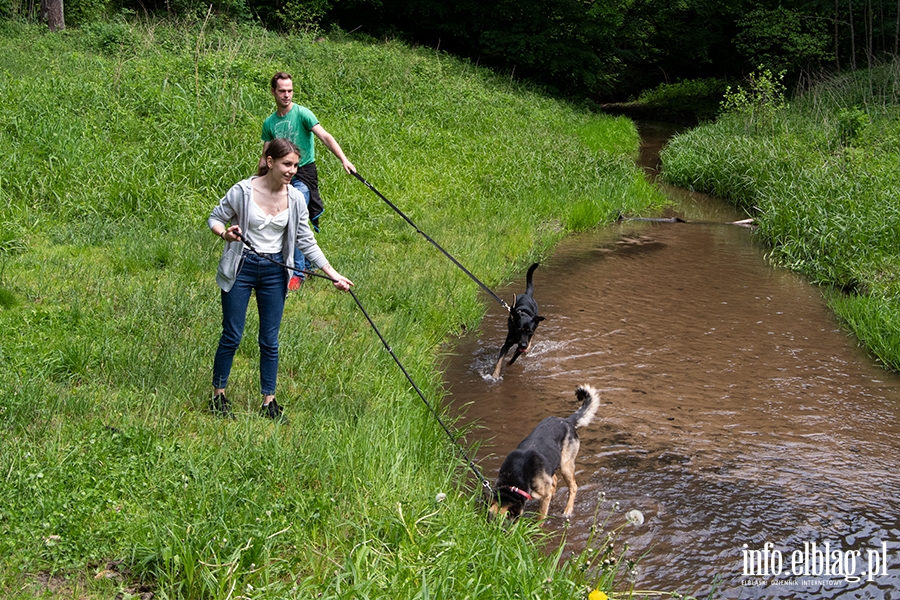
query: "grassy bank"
821, 175
115, 143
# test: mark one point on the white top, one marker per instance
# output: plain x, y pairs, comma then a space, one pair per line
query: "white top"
266, 232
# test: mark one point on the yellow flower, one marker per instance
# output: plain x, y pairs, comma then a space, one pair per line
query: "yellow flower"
597, 595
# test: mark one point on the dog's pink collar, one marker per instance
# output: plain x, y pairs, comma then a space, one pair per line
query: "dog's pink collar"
513, 488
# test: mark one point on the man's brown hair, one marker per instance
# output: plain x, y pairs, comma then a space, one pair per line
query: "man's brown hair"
280, 75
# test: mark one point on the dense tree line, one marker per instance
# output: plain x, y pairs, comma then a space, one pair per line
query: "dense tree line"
600, 49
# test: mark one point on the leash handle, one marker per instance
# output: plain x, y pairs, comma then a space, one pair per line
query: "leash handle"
435, 244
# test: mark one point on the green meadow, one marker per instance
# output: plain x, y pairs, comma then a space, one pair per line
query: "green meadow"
116, 141
820, 174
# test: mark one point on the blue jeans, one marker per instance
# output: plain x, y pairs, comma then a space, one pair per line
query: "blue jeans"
300, 261
270, 282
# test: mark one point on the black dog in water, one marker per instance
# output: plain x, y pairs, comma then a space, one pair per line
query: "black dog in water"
523, 320
530, 470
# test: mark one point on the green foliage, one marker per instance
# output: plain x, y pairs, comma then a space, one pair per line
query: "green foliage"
110, 38
782, 39
760, 98
301, 15
852, 124
83, 12
683, 92
821, 182
694, 99
111, 314
566, 46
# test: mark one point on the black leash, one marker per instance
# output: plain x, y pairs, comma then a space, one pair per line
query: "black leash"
484, 482
435, 244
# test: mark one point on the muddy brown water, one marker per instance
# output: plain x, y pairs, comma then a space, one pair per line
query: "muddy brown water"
751, 431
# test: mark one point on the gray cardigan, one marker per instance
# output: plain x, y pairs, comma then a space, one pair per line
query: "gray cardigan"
234, 208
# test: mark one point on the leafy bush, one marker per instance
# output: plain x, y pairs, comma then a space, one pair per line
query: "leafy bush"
83, 12
852, 124
110, 38
762, 95
301, 15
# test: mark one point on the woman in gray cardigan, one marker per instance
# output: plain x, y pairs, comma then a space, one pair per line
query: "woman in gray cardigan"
272, 216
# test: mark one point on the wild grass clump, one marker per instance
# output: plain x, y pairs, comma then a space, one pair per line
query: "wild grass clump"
821, 177
116, 143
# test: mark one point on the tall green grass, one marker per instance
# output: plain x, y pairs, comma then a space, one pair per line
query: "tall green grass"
115, 143
822, 178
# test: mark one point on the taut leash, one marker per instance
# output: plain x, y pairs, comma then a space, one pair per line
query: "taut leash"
434, 243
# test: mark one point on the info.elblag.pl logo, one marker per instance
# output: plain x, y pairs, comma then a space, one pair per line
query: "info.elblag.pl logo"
815, 561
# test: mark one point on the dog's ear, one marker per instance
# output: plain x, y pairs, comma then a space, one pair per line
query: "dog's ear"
539, 318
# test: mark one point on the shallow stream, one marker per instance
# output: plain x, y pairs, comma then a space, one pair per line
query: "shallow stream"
750, 430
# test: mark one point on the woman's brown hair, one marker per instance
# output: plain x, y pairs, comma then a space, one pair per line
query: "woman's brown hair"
277, 148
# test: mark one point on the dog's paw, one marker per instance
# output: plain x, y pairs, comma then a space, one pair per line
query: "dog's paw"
567, 516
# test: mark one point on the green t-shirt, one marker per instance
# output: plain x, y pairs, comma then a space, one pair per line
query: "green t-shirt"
296, 126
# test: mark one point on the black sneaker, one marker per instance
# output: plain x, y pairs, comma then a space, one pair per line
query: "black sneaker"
221, 406
273, 411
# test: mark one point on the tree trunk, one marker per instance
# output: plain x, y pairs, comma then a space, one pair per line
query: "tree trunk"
837, 51
52, 13
869, 33
852, 39
897, 31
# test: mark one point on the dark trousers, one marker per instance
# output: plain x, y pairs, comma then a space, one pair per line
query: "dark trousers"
310, 176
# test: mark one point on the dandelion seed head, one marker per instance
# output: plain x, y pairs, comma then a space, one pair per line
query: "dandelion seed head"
635, 517
633, 574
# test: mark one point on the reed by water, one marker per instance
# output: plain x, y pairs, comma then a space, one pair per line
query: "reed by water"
115, 142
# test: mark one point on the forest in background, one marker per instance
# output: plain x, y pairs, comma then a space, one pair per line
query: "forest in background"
595, 50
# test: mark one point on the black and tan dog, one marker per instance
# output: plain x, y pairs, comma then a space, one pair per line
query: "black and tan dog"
530, 470
523, 320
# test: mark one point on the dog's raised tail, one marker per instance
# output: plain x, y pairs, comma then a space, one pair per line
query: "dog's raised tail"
529, 285
590, 402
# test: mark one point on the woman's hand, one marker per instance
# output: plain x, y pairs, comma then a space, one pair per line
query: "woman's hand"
340, 282
231, 233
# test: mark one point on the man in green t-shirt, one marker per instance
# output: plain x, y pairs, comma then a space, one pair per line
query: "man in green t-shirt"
298, 124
